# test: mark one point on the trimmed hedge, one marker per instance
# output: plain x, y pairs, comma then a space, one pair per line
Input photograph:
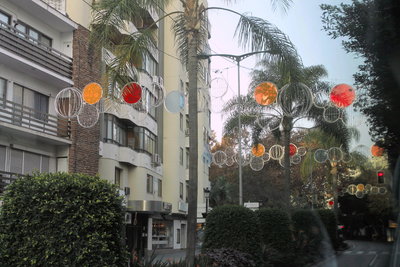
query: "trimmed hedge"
235, 227
62, 220
275, 229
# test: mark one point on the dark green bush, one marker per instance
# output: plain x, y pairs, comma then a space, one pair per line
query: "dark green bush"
61, 220
328, 218
227, 257
233, 227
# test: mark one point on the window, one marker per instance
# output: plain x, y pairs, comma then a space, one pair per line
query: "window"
159, 187
178, 236
145, 140
2, 158
181, 190
117, 178
187, 121
33, 34
115, 130
3, 90
187, 191
181, 156
149, 64
187, 158
149, 184
24, 162
181, 121
32, 99
5, 18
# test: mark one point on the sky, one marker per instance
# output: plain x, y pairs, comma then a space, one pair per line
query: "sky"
301, 23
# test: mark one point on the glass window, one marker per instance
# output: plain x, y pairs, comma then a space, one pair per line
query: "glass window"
149, 184
34, 34
181, 121
16, 161
17, 94
187, 191
45, 164
181, 156
31, 162
187, 158
3, 90
117, 179
159, 187
5, 18
178, 236
2, 158
181, 190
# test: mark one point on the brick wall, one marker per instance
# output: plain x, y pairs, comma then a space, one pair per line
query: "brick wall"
84, 151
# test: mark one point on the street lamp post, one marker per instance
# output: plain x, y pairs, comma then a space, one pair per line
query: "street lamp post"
238, 59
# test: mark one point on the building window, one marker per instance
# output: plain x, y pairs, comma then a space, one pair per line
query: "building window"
181, 121
33, 35
3, 90
181, 190
178, 236
159, 187
149, 64
39, 103
5, 18
115, 130
187, 121
187, 158
181, 156
145, 140
24, 162
187, 191
149, 184
117, 178
2, 158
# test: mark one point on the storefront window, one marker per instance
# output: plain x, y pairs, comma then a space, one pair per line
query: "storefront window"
162, 234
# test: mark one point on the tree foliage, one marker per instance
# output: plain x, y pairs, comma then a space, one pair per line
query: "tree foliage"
61, 220
370, 29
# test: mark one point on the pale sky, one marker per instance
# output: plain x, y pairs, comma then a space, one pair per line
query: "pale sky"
302, 23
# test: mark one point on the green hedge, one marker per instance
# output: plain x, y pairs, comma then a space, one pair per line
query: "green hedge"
233, 227
275, 229
329, 220
61, 220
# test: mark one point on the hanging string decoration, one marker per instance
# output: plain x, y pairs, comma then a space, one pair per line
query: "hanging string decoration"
218, 88
256, 163
301, 150
174, 102
295, 99
352, 189
320, 155
92, 93
88, 116
266, 157
321, 99
296, 159
342, 95
219, 158
68, 102
377, 151
265, 93
258, 150
335, 154
292, 149
131, 93
276, 152
331, 114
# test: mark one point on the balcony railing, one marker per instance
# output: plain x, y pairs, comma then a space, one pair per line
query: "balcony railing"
25, 46
16, 114
7, 178
58, 5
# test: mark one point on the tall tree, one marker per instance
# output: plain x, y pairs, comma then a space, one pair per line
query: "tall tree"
190, 28
370, 29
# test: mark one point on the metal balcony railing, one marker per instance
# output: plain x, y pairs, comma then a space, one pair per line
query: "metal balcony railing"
16, 114
25, 46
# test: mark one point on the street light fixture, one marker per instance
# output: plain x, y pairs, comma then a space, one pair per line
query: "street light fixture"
238, 59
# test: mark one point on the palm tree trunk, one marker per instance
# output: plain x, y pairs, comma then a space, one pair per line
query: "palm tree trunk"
193, 37
287, 128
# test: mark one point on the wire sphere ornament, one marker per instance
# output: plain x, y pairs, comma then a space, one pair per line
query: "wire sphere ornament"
265, 93
92, 93
382, 190
320, 155
332, 114
230, 161
342, 95
346, 157
219, 158
174, 101
68, 102
230, 152
301, 151
292, 150
352, 189
131, 93
321, 99
377, 151
359, 194
276, 152
295, 99
374, 190
258, 150
88, 116
266, 157
219, 87
335, 154
296, 159
256, 163
159, 95
244, 160
268, 123
368, 188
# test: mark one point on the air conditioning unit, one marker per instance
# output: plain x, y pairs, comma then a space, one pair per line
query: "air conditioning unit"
128, 218
158, 80
187, 132
156, 160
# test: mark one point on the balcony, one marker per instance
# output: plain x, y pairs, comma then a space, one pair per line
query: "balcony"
58, 5
49, 128
24, 53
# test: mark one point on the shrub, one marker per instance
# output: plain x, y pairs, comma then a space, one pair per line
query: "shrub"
328, 218
61, 220
233, 227
227, 257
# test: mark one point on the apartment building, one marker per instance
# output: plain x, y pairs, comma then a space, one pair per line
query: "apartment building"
144, 149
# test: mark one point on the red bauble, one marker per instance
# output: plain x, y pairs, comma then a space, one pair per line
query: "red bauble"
342, 95
132, 93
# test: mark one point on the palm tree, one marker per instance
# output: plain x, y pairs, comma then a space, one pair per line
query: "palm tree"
191, 35
280, 73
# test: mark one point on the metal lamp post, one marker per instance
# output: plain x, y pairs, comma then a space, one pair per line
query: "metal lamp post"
238, 59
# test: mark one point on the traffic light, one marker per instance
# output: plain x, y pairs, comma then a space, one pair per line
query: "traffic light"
381, 177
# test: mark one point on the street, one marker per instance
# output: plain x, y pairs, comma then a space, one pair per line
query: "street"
362, 254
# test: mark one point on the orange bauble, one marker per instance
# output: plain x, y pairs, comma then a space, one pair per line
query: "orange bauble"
258, 150
266, 93
92, 93
377, 151
360, 187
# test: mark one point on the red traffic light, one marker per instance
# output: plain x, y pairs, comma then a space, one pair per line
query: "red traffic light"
380, 174
331, 203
